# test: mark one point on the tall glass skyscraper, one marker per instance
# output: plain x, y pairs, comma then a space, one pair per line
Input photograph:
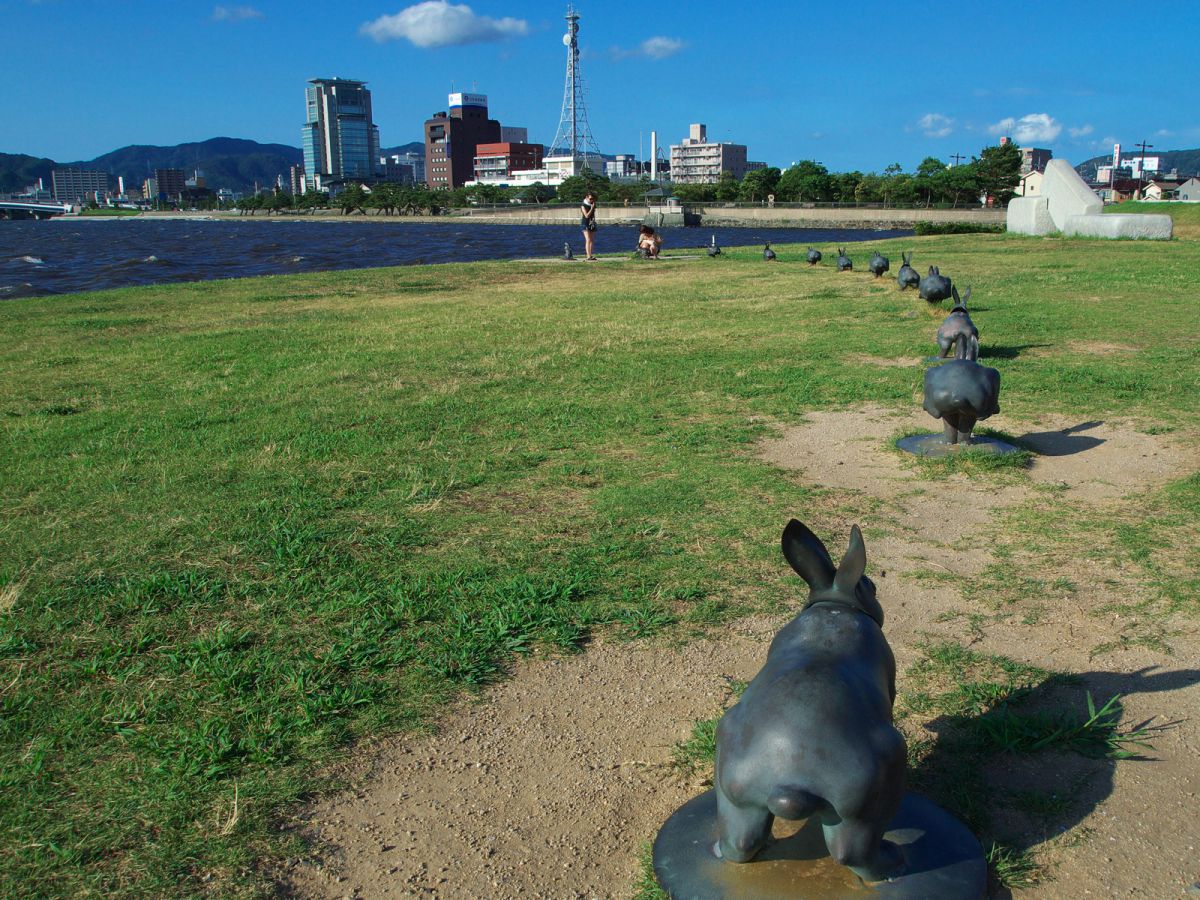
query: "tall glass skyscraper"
339, 138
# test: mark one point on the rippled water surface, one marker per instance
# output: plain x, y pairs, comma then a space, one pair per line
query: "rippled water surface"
65, 255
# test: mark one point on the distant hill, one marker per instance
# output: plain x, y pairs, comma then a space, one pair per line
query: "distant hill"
414, 147
226, 162
1186, 161
230, 163
17, 171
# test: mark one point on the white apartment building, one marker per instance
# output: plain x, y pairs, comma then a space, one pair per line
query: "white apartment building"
696, 161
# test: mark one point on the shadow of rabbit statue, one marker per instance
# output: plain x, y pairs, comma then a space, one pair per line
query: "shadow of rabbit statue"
908, 277
813, 735
957, 324
878, 264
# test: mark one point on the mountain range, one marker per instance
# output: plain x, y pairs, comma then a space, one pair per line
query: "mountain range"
231, 163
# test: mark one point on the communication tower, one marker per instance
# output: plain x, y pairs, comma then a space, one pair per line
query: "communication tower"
574, 135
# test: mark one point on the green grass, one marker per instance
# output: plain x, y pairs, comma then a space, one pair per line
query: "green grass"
245, 523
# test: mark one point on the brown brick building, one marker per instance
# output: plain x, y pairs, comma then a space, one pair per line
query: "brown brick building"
451, 139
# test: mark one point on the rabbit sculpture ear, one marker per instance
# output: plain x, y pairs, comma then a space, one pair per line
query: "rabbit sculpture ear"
807, 555
965, 297
853, 565
954, 294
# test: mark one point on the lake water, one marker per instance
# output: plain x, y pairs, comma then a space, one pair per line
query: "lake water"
63, 255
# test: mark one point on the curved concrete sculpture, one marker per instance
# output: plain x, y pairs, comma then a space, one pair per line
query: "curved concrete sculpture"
1067, 204
957, 325
843, 261
813, 732
768, 253
908, 277
814, 256
878, 264
934, 287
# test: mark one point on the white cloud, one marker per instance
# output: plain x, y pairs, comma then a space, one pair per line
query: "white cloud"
236, 13
935, 125
657, 47
437, 23
1082, 131
1035, 128
1164, 132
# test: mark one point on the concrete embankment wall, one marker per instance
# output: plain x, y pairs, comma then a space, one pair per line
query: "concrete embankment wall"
761, 216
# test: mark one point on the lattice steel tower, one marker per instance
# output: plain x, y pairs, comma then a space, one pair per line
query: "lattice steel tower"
574, 135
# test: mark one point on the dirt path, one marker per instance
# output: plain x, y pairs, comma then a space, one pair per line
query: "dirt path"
549, 787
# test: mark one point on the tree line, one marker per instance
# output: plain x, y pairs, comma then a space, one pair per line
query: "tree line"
993, 175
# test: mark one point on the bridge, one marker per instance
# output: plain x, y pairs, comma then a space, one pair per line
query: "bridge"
32, 209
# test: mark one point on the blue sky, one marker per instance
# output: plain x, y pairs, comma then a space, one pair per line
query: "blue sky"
860, 85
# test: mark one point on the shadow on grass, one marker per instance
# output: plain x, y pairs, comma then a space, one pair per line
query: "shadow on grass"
1023, 765
1062, 442
1002, 351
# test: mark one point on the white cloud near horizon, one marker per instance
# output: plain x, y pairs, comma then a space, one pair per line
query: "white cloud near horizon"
236, 13
1082, 131
1035, 128
935, 125
438, 23
657, 47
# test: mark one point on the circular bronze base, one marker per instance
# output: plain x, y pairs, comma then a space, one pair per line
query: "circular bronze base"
944, 860
937, 445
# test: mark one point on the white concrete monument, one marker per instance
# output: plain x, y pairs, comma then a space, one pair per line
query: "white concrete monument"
1068, 205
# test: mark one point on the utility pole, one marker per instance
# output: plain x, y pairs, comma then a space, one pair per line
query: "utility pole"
957, 157
1142, 167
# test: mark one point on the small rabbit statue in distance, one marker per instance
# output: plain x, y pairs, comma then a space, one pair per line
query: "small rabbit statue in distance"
768, 253
934, 287
813, 733
878, 264
567, 252
713, 249
814, 256
843, 261
908, 276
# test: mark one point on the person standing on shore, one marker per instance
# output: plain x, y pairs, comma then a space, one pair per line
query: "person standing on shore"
588, 223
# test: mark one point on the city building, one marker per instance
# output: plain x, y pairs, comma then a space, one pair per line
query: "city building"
150, 189
699, 161
296, 180
404, 168
451, 139
1030, 184
514, 134
339, 138
622, 166
74, 185
1161, 189
1034, 159
495, 163
1189, 191
171, 183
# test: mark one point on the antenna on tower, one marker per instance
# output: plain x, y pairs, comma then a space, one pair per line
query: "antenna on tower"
574, 135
